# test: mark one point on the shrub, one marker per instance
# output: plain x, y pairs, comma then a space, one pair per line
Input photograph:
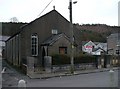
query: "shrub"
60, 59
84, 59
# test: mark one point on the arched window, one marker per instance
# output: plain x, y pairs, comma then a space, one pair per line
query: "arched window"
34, 45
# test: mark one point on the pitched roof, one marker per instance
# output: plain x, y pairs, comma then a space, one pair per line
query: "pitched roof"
96, 43
86, 42
23, 26
96, 49
102, 44
54, 38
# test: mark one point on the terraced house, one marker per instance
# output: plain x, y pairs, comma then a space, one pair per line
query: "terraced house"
45, 36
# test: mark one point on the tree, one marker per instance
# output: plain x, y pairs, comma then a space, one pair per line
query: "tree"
14, 19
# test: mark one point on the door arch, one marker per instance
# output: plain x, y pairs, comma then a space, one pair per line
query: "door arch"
43, 55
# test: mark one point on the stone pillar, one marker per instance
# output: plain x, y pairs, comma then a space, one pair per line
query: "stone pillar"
99, 63
48, 63
30, 65
108, 61
96, 62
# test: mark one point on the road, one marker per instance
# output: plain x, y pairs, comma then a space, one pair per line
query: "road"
11, 77
101, 79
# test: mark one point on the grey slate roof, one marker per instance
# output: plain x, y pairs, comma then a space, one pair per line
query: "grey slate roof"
95, 49
96, 43
54, 38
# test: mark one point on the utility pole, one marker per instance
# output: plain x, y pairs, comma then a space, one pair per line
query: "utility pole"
72, 41
70, 8
72, 38
119, 13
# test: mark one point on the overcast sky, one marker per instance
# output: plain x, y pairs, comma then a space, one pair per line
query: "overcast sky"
84, 12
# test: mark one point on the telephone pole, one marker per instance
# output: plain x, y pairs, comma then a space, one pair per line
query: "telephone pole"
72, 37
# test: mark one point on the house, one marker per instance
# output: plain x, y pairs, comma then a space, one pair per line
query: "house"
87, 46
99, 49
94, 48
45, 36
102, 46
113, 42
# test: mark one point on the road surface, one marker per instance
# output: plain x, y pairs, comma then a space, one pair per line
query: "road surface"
100, 79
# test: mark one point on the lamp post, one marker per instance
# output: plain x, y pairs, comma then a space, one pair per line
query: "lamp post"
72, 37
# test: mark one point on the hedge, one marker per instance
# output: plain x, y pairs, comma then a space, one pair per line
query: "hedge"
84, 59
59, 59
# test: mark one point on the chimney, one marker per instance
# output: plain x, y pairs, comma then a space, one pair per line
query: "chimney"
53, 7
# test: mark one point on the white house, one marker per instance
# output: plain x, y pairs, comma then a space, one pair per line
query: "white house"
102, 46
94, 48
88, 46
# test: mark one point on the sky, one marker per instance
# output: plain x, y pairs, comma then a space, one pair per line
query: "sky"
84, 11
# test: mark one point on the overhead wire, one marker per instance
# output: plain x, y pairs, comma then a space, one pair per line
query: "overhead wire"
45, 7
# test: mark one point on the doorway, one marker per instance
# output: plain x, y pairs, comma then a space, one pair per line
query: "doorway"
43, 55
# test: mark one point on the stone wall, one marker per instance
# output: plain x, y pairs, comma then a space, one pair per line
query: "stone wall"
84, 66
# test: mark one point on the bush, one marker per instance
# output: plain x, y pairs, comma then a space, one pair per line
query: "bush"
84, 59
60, 59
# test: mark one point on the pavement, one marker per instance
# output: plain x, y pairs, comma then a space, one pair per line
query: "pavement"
60, 74
11, 77
34, 75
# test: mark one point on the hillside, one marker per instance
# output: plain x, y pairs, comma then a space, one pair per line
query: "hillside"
96, 32
86, 35
99, 28
10, 28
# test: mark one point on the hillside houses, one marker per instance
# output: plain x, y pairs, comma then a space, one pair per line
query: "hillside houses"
100, 28
94, 48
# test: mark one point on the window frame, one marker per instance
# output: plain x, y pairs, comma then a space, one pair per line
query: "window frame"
34, 44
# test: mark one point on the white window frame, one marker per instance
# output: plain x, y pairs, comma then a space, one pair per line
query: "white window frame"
54, 31
34, 45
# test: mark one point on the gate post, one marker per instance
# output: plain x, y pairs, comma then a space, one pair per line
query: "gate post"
48, 64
